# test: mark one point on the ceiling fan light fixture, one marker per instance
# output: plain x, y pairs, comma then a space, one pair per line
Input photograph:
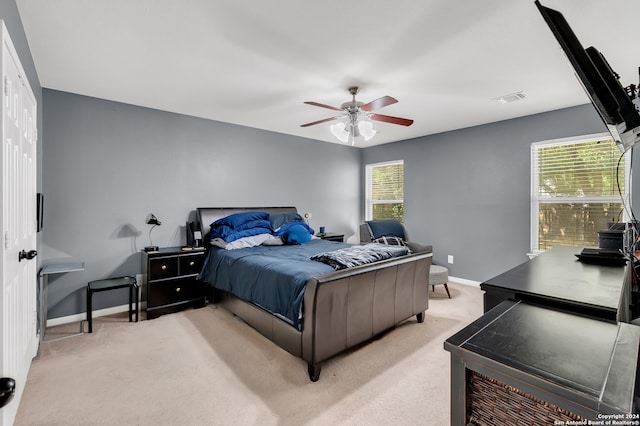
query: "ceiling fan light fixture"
340, 132
356, 118
366, 129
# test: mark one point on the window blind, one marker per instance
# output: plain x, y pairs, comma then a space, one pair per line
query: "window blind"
577, 191
385, 191
580, 170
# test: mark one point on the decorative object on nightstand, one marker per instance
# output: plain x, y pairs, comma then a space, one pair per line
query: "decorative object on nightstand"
194, 235
113, 284
172, 283
151, 220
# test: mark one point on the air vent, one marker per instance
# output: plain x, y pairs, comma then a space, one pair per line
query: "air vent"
506, 99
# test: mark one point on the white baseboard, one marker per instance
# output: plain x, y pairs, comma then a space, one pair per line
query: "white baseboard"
465, 281
125, 308
99, 313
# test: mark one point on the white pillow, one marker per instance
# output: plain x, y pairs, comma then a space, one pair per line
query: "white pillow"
246, 242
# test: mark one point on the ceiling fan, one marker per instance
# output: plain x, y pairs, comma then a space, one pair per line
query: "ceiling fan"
356, 117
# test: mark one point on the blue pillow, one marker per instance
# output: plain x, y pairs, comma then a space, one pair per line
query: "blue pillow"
296, 234
237, 219
220, 231
285, 228
260, 223
279, 219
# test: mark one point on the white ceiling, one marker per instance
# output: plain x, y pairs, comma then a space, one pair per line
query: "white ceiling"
254, 63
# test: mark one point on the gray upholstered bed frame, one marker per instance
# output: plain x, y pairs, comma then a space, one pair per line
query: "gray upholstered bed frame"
341, 309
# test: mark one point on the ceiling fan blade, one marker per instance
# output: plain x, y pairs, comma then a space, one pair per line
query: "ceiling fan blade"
323, 106
379, 103
319, 121
392, 120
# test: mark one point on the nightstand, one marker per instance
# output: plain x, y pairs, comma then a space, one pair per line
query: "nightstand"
172, 283
332, 237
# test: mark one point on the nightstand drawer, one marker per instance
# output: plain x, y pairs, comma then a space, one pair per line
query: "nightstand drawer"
171, 280
174, 291
164, 267
191, 264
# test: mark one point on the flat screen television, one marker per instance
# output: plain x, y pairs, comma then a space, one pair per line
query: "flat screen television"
617, 105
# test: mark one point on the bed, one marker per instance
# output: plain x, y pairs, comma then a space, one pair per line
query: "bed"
337, 309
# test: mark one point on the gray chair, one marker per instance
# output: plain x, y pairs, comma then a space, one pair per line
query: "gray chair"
374, 229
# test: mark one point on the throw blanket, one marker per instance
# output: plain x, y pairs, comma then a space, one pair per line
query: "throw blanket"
359, 255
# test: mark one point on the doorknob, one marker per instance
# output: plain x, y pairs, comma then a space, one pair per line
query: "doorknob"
7, 390
27, 255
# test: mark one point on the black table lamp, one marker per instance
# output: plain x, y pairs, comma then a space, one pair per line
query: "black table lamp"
152, 220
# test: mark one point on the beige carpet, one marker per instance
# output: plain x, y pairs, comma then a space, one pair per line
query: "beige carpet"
207, 367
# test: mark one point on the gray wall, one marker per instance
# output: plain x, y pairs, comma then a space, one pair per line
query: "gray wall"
467, 192
107, 165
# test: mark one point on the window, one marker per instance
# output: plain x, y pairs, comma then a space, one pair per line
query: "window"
385, 191
578, 186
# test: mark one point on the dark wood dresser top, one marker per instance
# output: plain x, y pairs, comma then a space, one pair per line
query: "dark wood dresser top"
593, 360
557, 274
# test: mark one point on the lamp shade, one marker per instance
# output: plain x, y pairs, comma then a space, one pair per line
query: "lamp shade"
152, 220
340, 132
366, 129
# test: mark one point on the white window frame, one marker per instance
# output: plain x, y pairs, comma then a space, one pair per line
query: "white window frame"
535, 201
369, 202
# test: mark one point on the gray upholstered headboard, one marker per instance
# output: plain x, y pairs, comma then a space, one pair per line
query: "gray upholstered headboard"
208, 215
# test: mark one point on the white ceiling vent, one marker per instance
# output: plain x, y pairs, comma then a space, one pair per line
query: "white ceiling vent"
518, 96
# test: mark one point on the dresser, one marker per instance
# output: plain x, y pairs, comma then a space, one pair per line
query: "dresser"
171, 280
526, 364
558, 280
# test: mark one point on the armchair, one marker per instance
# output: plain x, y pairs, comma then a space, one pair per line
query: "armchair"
371, 230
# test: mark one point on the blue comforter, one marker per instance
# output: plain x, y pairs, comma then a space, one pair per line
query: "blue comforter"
273, 277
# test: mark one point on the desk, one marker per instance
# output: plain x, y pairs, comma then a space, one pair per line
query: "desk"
520, 362
557, 279
59, 268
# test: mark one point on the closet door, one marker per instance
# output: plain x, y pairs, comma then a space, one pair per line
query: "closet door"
18, 298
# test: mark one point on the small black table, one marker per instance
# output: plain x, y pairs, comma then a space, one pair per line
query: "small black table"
557, 279
113, 284
529, 364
